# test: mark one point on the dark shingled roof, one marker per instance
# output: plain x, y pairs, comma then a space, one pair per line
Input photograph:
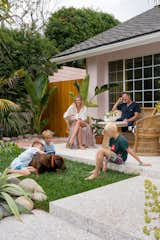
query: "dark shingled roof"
145, 23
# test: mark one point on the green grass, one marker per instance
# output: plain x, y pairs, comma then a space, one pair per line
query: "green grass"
67, 183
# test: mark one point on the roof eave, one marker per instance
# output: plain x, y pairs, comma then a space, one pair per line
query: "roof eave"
133, 42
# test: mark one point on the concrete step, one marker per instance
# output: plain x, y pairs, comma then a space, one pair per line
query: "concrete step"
112, 212
41, 226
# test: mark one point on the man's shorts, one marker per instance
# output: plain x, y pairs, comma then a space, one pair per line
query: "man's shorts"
115, 158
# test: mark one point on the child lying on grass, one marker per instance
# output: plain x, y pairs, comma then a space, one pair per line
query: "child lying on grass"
21, 163
114, 149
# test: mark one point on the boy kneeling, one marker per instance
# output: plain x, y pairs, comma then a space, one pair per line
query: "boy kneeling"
114, 149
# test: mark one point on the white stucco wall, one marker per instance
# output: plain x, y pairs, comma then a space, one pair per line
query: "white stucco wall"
97, 68
92, 70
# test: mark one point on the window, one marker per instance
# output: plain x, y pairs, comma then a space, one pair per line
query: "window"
138, 76
116, 76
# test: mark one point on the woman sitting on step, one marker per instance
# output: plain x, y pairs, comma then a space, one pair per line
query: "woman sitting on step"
80, 132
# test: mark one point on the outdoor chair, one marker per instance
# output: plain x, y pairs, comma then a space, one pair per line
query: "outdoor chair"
147, 136
145, 111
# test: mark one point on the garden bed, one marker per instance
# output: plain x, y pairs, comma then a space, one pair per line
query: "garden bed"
63, 184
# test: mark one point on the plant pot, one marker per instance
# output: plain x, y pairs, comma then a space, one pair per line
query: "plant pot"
99, 139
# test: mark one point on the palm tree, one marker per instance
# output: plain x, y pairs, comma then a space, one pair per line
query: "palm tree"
10, 119
6, 104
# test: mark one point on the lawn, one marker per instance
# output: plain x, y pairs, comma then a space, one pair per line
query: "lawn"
63, 184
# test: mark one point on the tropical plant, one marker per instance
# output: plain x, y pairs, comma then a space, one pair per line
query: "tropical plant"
15, 123
152, 210
30, 53
97, 129
39, 94
83, 89
12, 121
7, 193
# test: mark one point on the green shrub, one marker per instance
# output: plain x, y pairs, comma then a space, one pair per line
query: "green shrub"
152, 210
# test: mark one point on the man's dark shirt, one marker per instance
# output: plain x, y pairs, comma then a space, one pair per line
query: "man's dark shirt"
128, 111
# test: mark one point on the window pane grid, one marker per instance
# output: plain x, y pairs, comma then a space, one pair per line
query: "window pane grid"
138, 76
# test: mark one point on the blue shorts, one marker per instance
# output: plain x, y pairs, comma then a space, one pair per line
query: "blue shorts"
20, 167
50, 153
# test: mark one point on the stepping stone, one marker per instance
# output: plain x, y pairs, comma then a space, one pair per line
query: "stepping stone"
41, 226
112, 212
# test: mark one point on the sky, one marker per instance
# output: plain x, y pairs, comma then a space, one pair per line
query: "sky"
121, 9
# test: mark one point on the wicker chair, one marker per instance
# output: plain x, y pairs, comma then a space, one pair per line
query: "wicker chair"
145, 111
147, 136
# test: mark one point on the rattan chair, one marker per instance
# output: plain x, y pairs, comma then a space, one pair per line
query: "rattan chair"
145, 111
147, 136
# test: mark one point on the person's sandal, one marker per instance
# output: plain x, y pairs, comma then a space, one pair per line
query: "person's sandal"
68, 145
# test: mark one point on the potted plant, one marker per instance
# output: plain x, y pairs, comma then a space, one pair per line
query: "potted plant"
97, 130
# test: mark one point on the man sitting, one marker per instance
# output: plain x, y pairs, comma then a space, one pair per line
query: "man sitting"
130, 110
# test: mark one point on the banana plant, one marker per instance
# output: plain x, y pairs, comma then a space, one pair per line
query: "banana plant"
39, 94
83, 89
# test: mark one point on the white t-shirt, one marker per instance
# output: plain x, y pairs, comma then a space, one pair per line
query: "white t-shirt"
72, 112
24, 158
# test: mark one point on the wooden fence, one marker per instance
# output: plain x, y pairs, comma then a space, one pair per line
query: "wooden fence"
58, 104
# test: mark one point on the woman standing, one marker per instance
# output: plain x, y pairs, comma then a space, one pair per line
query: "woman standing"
80, 135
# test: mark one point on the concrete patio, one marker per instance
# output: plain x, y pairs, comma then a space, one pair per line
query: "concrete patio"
131, 166
112, 212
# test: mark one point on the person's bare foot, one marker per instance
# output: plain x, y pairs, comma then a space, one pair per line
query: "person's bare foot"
82, 147
71, 142
146, 164
92, 176
25, 172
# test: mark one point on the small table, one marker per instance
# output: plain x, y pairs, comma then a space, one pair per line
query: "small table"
119, 124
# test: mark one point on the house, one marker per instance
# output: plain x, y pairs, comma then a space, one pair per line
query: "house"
128, 54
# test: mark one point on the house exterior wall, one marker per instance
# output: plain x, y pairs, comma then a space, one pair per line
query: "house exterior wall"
92, 70
97, 68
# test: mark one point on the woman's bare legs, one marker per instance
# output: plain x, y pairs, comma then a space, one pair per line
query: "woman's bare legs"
75, 131
79, 124
80, 138
99, 163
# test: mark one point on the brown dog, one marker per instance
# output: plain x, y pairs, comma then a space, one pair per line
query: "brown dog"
49, 163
